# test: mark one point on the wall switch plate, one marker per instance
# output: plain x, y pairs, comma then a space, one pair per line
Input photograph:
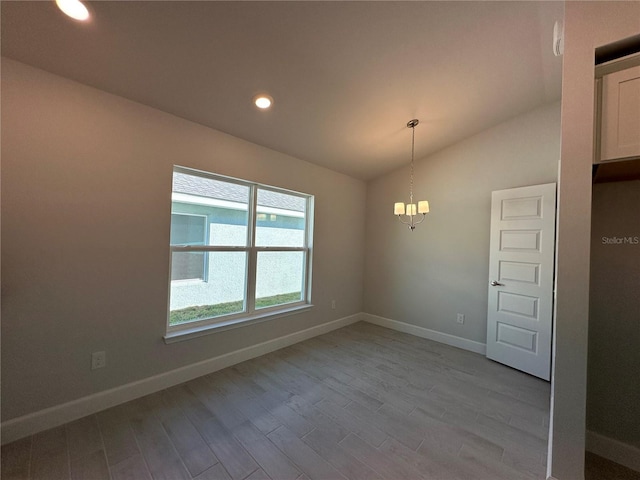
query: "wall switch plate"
98, 360
333, 304
460, 318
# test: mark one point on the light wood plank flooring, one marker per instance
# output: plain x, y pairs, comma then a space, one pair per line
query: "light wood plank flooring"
362, 402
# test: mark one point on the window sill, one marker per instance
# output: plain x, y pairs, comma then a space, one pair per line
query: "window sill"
201, 330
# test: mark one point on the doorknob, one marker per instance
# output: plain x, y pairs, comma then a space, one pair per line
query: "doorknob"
496, 284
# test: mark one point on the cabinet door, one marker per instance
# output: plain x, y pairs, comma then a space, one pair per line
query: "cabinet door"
620, 134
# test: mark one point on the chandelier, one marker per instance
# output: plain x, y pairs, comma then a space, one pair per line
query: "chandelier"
411, 211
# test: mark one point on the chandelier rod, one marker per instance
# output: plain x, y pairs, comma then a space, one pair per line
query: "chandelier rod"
412, 124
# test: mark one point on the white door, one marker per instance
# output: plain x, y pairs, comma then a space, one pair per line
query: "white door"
521, 272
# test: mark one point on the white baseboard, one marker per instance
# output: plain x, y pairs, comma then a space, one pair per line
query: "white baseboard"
613, 450
26, 425
434, 335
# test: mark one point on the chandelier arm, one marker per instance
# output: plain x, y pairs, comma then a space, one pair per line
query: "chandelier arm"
424, 215
402, 221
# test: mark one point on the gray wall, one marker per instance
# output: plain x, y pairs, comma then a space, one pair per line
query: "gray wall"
587, 25
426, 276
613, 388
86, 193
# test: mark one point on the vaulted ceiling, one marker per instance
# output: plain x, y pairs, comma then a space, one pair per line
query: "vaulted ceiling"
345, 76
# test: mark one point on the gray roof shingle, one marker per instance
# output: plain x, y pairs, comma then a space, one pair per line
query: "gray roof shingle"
211, 188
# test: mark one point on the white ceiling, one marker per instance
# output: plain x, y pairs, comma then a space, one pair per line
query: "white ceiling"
346, 76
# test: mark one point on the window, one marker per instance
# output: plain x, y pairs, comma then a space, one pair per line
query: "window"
239, 251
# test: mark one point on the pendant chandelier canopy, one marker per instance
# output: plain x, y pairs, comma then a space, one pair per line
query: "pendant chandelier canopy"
409, 214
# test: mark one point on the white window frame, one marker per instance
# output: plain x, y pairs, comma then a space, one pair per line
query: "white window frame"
250, 314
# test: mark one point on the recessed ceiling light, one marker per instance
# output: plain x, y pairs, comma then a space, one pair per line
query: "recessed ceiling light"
74, 8
263, 101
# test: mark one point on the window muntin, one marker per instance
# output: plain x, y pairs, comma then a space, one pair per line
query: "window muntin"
255, 252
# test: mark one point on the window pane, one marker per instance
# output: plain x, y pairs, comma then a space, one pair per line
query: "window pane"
188, 229
280, 219
222, 208
220, 290
188, 266
279, 278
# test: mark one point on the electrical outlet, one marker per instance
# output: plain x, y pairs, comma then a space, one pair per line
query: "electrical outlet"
333, 304
460, 318
98, 360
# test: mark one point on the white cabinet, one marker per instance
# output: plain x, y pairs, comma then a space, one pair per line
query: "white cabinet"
620, 115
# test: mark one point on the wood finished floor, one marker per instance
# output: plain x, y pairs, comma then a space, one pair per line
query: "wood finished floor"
362, 402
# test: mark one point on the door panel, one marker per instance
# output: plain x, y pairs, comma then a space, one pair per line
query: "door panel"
521, 278
517, 337
519, 272
518, 305
520, 240
521, 208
